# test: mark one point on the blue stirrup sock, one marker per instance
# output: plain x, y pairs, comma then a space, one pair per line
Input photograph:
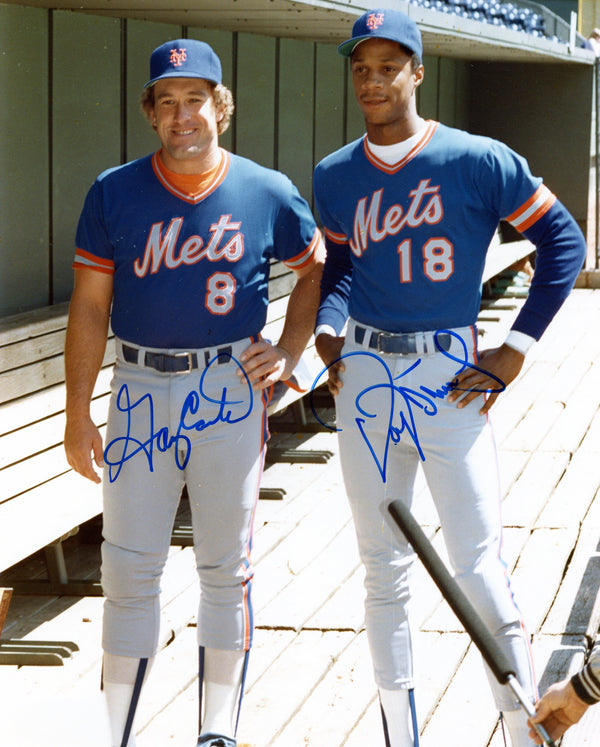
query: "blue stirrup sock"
399, 717
122, 687
221, 682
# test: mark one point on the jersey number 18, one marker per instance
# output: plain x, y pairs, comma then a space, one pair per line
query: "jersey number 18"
438, 263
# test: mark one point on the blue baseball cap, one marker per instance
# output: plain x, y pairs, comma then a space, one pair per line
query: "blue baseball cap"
184, 58
384, 24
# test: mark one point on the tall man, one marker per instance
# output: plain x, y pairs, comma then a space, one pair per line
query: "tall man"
409, 211
179, 243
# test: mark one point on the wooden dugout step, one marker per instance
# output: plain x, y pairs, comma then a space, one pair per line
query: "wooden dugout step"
26, 652
36, 653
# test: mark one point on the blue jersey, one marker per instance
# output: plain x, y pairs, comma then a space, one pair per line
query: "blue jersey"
407, 243
192, 270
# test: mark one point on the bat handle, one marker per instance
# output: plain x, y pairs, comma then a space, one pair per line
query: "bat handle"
514, 685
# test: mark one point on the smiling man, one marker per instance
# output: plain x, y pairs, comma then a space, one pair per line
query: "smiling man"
409, 211
178, 244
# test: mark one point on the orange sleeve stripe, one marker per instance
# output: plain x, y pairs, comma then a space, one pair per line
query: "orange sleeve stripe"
534, 217
305, 257
337, 238
93, 258
514, 216
85, 260
531, 211
82, 266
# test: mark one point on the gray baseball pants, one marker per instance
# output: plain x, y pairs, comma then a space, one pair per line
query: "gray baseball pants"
207, 430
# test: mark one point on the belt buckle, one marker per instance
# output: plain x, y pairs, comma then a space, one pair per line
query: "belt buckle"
190, 362
384, 336
399, 343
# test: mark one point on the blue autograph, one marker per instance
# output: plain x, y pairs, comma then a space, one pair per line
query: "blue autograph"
120, 450
399, 402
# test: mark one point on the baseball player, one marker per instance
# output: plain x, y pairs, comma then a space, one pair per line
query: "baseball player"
179, 243
565, 703
408, 212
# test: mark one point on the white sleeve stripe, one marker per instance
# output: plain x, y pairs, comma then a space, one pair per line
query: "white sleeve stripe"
305, 256
526, 215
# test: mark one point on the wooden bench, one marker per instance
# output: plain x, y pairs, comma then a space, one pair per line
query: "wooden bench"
42, 502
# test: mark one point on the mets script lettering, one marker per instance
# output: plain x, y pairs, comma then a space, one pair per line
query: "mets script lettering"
143, 436
392, 410
162, 248
425, 207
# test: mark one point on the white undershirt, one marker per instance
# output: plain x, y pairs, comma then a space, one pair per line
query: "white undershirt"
394, 153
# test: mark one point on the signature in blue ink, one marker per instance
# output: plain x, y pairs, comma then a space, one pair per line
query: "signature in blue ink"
124, 448
399, 403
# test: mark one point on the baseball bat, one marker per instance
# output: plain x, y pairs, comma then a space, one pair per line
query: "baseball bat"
463, 609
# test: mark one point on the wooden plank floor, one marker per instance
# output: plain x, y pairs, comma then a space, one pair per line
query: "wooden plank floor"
310, 679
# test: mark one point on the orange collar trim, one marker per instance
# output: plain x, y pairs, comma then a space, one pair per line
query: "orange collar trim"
192, 188
393, 168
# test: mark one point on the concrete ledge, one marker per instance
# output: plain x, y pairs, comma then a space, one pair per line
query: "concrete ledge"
588, 279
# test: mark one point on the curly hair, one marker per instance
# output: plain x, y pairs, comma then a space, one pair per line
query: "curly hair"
222, 97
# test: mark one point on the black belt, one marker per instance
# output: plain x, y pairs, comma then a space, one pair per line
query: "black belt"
176, 362
403, 343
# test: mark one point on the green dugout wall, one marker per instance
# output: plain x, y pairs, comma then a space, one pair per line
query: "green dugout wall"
71, 86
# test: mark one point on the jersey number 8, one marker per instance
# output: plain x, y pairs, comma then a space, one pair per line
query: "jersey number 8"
220, 293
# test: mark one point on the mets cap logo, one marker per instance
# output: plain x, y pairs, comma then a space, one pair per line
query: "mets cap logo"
177, 57
374, 21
